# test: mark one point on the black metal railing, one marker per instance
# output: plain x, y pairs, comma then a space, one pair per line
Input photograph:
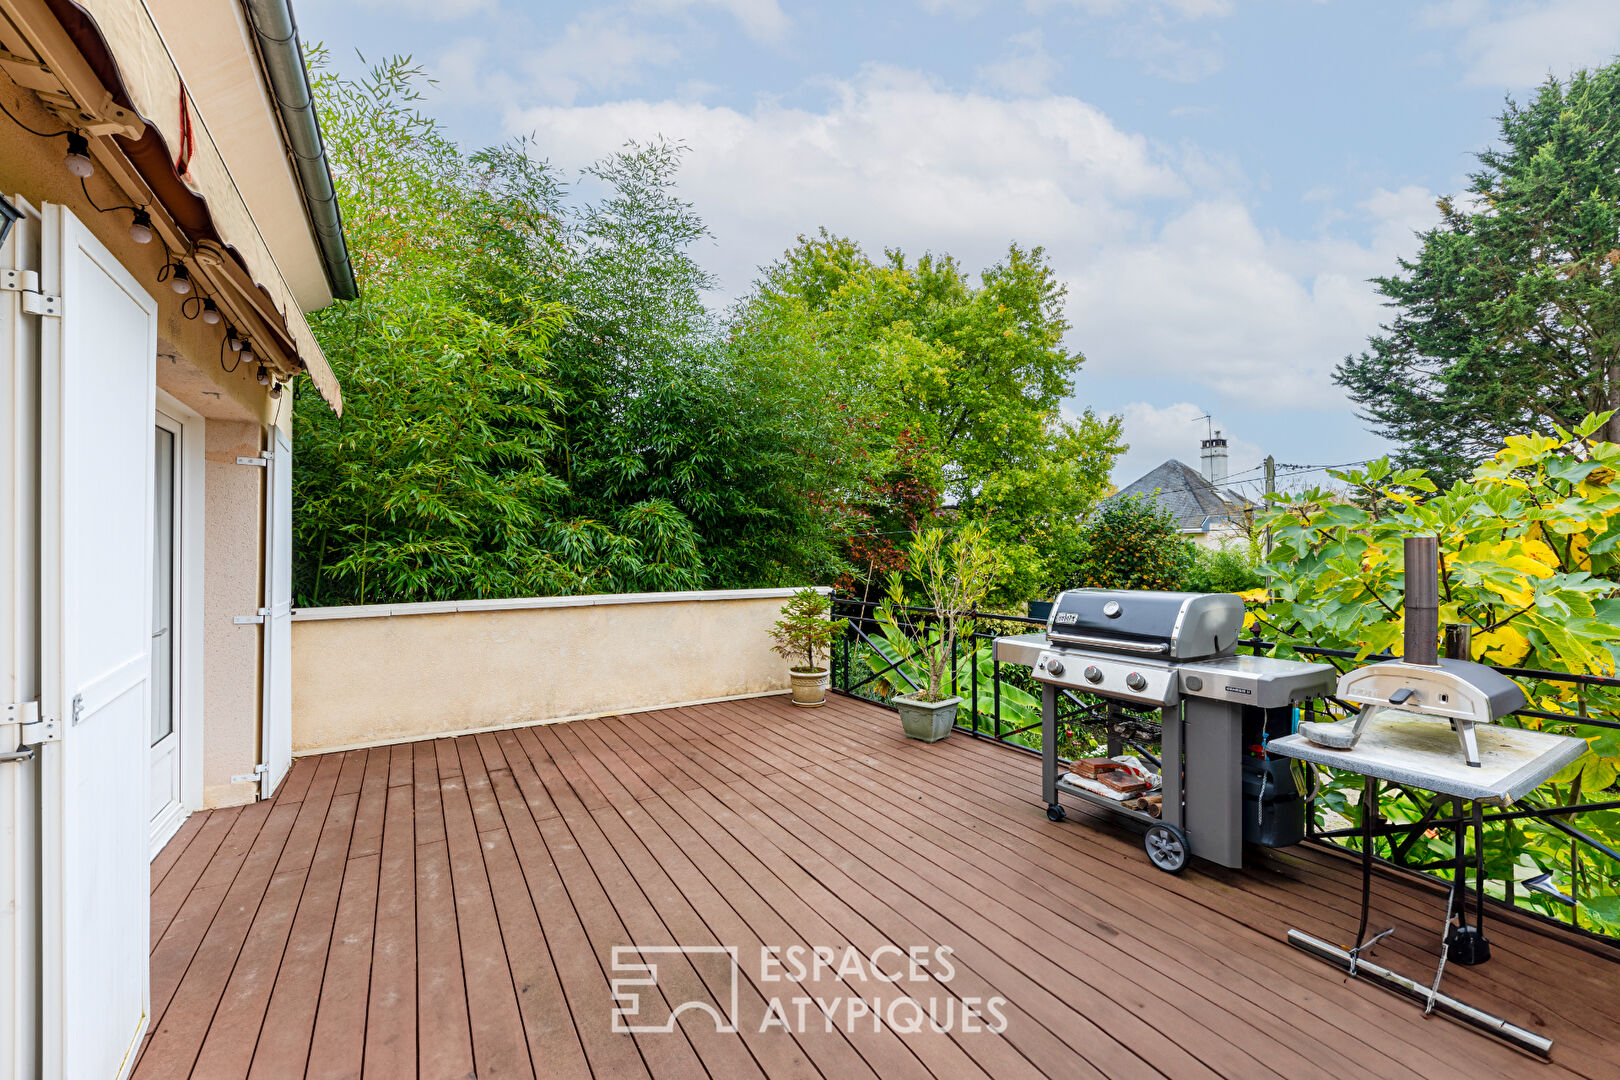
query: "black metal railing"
878, 658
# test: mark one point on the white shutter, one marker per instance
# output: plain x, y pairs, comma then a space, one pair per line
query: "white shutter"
19, 660
97, 390
277, 725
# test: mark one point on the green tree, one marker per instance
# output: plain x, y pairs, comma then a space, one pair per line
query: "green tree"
441, 479
944, 386
1130, 542
1508, 319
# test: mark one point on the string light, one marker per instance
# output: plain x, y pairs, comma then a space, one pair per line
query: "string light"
140, 228
78, 157
210, 312
179, 279
263, 376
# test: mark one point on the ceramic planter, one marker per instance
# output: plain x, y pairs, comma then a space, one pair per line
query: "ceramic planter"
809, 688
929, 721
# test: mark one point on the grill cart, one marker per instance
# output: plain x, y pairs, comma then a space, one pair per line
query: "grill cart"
1173, 652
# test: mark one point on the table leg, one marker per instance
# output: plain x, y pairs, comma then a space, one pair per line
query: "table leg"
1369, 812
1466, 944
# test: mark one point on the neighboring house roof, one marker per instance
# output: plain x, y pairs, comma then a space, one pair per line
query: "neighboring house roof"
1197, 504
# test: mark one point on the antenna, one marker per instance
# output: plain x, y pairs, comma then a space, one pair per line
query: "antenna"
1210, 426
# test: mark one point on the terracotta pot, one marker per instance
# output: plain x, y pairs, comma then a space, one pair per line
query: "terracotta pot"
929, 721
809, 688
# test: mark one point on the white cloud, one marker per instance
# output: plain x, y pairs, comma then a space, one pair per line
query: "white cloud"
1213, 301
1177, 59
893, 160
441, 10
762, 20
1025, 67
1157, 433
601, 50
1518, 44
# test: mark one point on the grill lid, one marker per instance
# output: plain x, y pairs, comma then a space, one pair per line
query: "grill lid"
1172, 625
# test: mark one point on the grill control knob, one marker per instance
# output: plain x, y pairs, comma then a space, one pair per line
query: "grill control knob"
1135, 681
1054, 666
1093, 674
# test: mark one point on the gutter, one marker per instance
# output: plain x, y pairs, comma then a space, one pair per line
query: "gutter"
281, 55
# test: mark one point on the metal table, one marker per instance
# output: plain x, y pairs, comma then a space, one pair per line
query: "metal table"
1421, 752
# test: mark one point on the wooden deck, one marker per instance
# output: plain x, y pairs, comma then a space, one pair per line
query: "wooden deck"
450, 909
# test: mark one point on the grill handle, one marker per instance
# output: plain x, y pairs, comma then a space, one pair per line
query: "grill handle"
1111, 643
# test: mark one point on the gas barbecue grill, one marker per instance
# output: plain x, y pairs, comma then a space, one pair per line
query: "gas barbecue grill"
1173, 652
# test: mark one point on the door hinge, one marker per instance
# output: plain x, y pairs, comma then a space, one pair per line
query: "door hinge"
34, 302
251, 777
248, 620
35, 729
261, 462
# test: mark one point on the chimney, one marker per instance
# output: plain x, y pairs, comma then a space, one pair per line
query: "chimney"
1422, 600
1214, 458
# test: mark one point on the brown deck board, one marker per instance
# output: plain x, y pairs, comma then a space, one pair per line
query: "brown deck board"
450, 908
165, 860
284, 1041
1142, 890
1298, 900
391, 1011
1186, 962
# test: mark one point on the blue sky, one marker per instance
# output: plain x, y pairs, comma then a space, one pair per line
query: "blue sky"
1215, 180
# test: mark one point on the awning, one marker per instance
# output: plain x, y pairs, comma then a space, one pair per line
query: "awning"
65, 53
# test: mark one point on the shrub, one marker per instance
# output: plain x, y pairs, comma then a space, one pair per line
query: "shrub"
804, 633
1131, 543
1530, 559
1234, 569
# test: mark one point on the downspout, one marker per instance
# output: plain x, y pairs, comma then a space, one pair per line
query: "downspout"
282, 56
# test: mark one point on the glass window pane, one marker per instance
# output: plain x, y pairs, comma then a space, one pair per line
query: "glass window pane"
163, 587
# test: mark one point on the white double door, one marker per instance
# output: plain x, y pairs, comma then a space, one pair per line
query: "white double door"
79, 403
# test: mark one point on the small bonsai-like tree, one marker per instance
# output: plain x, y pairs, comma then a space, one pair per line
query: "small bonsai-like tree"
805, 633
955, 575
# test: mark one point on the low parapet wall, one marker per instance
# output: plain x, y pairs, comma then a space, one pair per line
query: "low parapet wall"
363, 676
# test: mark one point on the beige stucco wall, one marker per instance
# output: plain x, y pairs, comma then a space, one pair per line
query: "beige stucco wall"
363, 676
232, 585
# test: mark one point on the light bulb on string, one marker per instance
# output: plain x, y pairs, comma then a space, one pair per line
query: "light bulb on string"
78, 157
232, 340
210, 312
140, 229
263, 376
179, 280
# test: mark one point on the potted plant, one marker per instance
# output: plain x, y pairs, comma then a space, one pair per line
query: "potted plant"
803, 635
955, 575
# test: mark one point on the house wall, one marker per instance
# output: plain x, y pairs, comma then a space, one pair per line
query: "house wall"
232, 584
369, 675
236, 412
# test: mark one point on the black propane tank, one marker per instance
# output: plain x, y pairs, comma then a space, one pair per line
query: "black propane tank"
1273, 809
